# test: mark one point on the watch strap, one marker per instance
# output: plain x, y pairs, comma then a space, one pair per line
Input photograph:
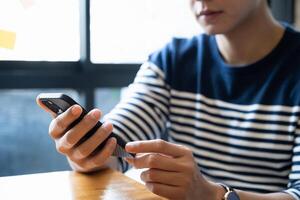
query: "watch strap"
230, 194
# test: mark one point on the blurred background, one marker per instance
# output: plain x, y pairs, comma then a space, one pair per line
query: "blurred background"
88, 49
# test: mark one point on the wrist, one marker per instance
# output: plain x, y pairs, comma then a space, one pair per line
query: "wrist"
217, 192
220, 192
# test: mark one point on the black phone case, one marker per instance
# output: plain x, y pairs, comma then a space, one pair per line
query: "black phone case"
59, 103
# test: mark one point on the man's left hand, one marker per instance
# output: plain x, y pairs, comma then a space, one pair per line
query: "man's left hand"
172, 171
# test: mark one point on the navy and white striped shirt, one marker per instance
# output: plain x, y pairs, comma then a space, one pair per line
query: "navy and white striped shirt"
242, 123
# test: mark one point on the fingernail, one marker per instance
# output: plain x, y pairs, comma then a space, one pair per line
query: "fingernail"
96, 114
106, 126
78, 155
131, 144
76, 110
68, 145
113, 141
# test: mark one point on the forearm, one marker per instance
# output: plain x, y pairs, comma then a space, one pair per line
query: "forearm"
272, 196
255, 196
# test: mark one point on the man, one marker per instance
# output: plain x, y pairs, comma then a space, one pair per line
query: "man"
228, 100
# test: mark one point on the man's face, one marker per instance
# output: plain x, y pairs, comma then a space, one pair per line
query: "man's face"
222, 16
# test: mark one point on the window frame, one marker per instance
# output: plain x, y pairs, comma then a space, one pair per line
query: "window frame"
83, 75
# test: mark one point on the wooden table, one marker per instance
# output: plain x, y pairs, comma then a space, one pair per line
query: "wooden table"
106, 185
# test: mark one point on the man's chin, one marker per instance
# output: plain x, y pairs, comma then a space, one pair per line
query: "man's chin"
212, 30
215, 29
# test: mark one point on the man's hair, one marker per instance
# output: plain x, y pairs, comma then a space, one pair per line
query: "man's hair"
269, 2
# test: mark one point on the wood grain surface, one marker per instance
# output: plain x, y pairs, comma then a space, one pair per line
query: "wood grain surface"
106, 185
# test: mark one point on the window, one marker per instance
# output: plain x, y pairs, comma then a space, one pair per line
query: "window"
25, 145
126, 31
297, 17
44, 29
106, 99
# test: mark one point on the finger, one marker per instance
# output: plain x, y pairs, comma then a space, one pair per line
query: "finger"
60, 124
87, 148
156, 146
73, 136
155, 161
100, 158
87, 165
167, 191
163, 177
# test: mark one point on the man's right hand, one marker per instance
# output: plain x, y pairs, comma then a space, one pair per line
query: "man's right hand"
81, 156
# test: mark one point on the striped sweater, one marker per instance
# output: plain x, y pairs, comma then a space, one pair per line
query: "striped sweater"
242, 123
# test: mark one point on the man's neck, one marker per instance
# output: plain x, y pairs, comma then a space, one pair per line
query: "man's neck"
252, 40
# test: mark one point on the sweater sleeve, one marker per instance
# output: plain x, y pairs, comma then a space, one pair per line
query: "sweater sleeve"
294, 176
143, 111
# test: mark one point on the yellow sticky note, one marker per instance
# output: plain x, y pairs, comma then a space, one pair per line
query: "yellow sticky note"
7, 39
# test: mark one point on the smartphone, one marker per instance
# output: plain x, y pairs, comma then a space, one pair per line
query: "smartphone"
59, 103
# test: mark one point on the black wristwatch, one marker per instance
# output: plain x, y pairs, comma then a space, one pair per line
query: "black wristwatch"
230, 193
